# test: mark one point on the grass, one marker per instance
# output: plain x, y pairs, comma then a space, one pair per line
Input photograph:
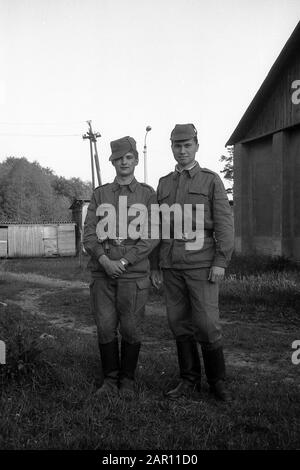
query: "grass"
47, 387
59, 268
52, 406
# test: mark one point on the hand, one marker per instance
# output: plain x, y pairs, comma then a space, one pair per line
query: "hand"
156, 278
216, 274
113, 268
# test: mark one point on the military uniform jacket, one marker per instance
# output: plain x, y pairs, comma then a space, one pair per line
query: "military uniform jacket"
136, 251
198, 186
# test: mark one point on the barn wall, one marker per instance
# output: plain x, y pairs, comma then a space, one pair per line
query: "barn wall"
260, 155
293, 155
241, 198
278, 110
255, 198
267, 195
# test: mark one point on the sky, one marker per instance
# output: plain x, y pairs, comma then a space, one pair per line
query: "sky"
127, 64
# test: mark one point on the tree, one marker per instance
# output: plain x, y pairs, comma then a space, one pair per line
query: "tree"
26, 192
31, 193
73, 188
228, 167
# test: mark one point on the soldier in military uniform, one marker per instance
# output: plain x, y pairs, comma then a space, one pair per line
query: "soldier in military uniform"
120, 272
191, 277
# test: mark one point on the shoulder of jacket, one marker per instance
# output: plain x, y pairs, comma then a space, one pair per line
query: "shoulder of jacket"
165, 177
210, 172
207, 170
147, 186
102, 186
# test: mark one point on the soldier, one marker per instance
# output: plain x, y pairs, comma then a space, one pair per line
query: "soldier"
191, 276
120, 270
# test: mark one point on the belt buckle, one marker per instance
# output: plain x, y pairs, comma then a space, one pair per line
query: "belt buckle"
118, 240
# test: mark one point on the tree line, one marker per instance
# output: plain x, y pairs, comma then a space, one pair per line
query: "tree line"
228, 168
32, 193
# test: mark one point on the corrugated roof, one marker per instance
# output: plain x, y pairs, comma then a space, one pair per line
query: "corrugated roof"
291, 48
78, 202
15, 222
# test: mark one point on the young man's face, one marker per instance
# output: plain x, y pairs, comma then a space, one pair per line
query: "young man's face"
125, 165
184, 152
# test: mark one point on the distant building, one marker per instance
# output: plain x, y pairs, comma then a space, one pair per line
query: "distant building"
79, 209
266, 143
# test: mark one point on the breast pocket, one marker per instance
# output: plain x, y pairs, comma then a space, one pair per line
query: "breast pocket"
197, 196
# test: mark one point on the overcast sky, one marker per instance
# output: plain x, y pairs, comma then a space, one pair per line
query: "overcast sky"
126, 64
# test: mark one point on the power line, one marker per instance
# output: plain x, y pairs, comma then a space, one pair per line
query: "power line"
40, 123
39, 135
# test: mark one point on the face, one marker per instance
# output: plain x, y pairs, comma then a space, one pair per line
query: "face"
184, 151
125, 165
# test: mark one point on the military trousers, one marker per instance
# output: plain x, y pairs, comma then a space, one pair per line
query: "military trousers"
118, 305
193, 306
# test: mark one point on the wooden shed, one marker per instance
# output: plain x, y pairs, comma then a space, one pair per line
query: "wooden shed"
266, 142
37, 240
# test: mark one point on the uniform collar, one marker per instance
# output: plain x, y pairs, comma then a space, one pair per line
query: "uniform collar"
191, 171
131, 185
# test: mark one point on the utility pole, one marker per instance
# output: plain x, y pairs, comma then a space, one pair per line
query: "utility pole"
92, 136
148, 128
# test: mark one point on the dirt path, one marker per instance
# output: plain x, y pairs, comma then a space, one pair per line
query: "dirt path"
30, 301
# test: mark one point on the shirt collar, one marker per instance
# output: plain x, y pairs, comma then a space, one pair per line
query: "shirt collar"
191, 171
131, 185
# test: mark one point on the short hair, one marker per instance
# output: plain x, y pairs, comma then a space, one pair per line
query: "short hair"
195, 139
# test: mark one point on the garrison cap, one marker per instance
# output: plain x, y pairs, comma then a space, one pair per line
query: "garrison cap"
183, 132
120, 147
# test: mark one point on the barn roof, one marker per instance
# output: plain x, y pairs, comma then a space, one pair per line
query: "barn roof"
290, 50
55, 222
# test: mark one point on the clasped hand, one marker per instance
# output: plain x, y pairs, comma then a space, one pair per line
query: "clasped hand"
113, 268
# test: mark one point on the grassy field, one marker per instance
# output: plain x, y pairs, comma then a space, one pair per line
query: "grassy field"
53, 368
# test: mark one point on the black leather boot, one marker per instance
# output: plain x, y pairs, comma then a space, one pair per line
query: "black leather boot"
190, 370
214, 365
129, 360
109, 353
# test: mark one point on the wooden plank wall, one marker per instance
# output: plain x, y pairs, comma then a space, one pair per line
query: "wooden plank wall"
66, 240
50, 240
278, 111
25, 241
3, 242
39, 240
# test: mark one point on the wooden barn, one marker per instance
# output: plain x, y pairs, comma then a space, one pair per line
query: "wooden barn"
266, 144
37, 240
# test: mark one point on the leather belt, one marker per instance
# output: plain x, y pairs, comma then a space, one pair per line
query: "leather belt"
121, 241
206, 233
